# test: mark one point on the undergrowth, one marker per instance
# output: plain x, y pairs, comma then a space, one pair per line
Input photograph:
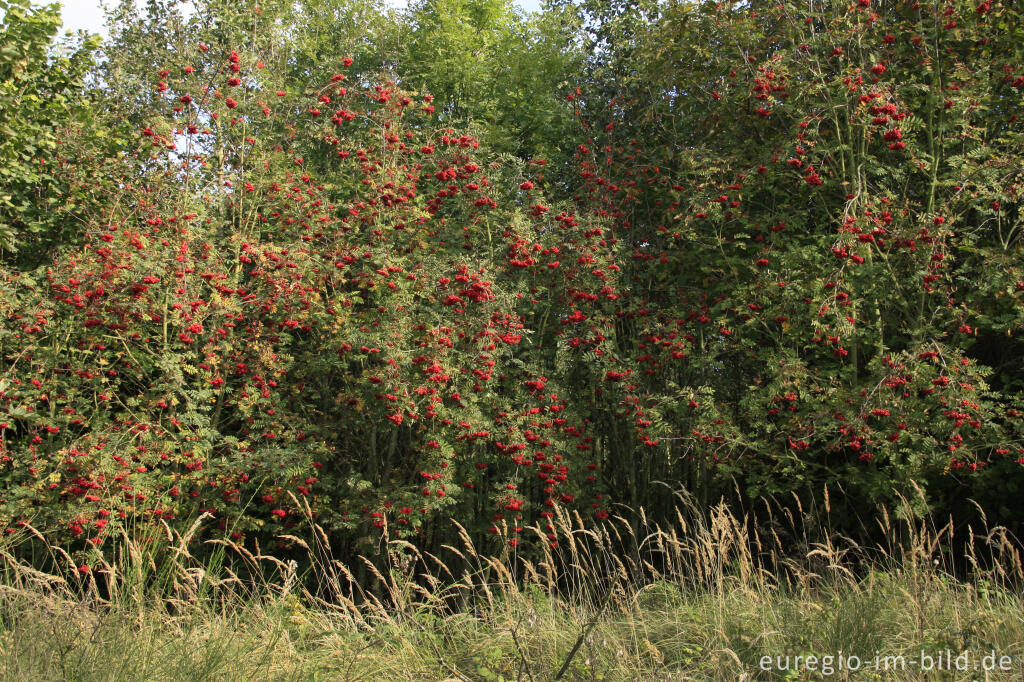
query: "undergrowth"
707, 599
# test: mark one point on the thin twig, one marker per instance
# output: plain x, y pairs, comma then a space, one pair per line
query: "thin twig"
523, 663
583, 635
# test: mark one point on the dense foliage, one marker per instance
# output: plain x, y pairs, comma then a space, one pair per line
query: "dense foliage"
40, 96
734, 248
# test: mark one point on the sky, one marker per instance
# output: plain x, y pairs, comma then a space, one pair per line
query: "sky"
87, 14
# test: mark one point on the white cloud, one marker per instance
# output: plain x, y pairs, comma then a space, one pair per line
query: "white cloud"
88, 14
82, 14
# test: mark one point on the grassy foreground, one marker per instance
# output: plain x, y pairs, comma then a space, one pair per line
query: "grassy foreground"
689, 604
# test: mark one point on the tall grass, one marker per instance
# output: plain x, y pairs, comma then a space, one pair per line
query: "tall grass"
703, 599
